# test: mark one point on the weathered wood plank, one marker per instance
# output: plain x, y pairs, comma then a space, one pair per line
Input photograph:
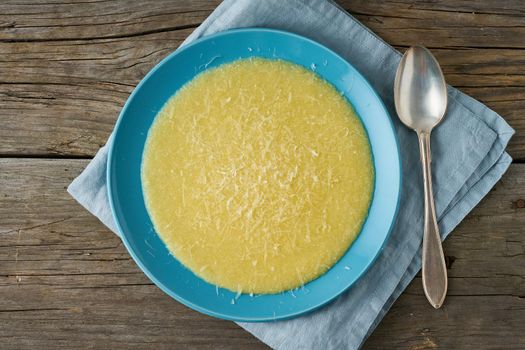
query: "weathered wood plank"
63, 80
440, 25
483, 322
69, 20
66, 281
73, 20
63, 98
496, 7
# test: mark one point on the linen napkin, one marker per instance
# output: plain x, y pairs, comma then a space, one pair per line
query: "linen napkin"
468, 159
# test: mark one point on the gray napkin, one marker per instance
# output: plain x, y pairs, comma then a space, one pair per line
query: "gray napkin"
468, 159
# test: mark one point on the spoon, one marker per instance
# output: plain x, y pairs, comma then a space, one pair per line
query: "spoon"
420, 95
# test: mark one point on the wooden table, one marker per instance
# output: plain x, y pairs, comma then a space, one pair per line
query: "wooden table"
66, 281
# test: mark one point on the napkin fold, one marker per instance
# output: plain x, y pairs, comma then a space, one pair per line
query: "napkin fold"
468, 156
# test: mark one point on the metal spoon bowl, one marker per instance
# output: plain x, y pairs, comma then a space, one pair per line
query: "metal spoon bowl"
420, 95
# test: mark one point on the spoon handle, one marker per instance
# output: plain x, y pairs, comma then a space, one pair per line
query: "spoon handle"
434, 268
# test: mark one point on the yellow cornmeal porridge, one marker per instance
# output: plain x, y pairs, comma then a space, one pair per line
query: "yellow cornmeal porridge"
257, 175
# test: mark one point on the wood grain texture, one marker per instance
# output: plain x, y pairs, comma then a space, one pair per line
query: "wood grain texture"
43, 20
67, 68
67, 281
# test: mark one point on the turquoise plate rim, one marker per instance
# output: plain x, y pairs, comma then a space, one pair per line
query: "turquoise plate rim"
235, 316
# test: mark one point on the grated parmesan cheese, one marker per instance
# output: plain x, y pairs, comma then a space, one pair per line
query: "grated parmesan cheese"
257, 175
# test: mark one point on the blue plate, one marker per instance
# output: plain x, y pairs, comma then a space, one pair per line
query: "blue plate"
125, 190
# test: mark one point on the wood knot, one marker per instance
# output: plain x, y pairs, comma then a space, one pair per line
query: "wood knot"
520, 203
